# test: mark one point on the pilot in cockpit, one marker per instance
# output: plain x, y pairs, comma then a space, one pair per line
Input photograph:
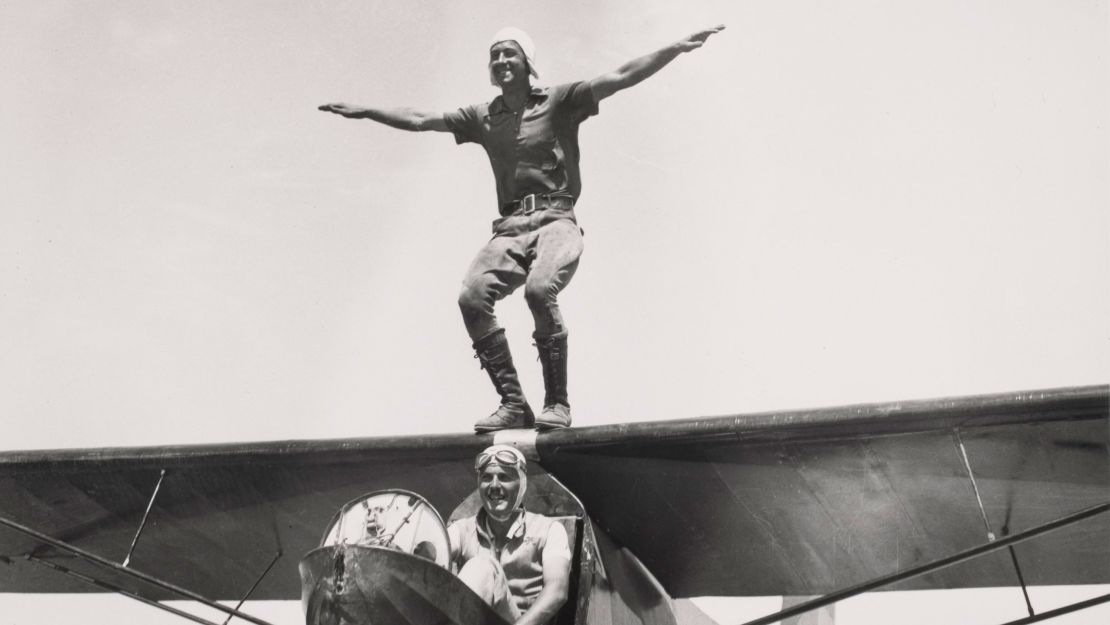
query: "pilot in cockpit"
517, 561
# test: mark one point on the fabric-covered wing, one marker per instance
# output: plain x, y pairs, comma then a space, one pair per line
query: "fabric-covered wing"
807, 502
768, 504
221, 514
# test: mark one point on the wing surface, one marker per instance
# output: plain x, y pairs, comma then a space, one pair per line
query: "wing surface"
798, 502
221, 514
807, 502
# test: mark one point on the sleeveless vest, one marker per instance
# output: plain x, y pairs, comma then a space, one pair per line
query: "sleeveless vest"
521, 557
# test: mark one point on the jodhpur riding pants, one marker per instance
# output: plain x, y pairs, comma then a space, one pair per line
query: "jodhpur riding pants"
539, 251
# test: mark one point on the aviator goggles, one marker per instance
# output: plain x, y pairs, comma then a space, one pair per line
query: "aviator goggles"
505, 456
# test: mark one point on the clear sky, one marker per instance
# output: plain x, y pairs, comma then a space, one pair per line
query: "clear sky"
831, 202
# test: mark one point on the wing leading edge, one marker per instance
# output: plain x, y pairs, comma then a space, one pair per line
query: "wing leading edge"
223, 512
799, 502
808, 502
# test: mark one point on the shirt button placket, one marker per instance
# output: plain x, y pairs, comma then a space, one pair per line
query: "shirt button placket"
518, 141
519, 122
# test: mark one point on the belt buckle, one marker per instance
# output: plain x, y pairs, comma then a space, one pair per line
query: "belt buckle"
528, 204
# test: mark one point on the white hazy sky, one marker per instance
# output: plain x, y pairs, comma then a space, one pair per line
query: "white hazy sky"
831, 202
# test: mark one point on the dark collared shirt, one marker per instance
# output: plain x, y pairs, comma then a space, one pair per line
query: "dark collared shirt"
533, 150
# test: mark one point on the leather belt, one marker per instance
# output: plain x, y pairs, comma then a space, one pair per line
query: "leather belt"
534, 202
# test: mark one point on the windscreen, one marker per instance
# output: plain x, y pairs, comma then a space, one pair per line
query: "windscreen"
393, 519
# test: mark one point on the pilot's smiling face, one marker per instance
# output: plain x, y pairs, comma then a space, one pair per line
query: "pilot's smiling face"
498, 487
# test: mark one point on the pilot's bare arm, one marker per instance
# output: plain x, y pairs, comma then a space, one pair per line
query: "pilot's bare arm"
403, 118
556, 582
640, 68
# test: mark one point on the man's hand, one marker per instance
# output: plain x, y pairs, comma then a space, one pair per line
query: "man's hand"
346, 110
697, 40
636, 70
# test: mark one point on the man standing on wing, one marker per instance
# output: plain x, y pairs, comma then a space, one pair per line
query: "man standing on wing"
531, 137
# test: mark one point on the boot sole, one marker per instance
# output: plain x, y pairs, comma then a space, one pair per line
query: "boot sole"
551, 426
487, 429
527, 421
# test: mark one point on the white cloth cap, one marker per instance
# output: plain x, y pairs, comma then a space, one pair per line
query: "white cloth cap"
521, 38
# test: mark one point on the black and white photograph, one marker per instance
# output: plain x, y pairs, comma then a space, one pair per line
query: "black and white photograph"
469, 312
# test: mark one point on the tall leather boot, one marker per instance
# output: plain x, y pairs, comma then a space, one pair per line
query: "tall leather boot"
514, 411
553, 359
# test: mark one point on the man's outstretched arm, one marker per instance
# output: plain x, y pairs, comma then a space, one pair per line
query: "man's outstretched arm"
403, 118
638, 69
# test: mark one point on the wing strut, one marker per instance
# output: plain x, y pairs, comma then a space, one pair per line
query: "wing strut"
928, 567
987, 523
1075, 607
132, 573
113, 588
142, 523
277, 556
